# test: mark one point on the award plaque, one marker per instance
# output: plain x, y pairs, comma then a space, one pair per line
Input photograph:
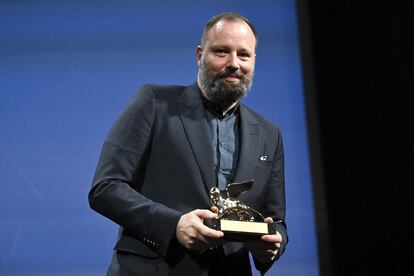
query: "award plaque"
238, 221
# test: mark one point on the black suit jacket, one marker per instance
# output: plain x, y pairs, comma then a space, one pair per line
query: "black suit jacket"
157, 164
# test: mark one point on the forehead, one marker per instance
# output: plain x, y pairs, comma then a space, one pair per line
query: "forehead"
231, 34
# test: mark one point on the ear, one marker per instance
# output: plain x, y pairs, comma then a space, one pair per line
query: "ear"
199, 53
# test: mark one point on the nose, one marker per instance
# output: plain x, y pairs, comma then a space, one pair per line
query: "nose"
233, 62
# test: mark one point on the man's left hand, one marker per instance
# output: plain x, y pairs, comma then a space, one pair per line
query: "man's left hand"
265, 249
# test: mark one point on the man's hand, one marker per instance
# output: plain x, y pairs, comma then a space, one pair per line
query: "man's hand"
265, 249
194, 235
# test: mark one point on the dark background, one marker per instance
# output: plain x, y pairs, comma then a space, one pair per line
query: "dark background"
358, 60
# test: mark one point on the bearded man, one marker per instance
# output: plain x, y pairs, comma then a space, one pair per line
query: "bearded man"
171, 145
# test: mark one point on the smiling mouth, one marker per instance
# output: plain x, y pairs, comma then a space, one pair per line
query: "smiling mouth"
231, 78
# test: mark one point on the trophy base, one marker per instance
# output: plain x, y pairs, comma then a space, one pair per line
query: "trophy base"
239, 231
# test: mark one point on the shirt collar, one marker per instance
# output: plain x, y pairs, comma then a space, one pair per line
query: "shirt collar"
215, 110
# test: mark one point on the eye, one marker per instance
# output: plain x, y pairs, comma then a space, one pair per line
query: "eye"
244, 55
220, 52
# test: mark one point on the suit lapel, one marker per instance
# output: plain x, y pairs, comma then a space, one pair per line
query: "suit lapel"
249, 146
193, 117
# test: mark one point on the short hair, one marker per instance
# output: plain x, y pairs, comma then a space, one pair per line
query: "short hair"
226, 16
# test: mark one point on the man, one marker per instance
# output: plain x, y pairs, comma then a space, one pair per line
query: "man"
171, 145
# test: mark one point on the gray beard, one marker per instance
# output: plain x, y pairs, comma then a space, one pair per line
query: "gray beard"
220, 92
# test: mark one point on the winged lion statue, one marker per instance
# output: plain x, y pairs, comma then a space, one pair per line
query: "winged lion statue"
228, 204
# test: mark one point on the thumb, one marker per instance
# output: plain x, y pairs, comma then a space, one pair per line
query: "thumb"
214, 209
268, 220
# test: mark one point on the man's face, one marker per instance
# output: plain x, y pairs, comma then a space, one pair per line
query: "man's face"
226, 62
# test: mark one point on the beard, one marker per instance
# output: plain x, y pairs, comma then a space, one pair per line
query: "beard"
220, 92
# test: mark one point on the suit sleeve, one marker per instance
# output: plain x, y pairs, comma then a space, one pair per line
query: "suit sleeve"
115, 191
274, 200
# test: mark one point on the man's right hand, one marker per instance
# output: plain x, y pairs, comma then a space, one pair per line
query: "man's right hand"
194, 235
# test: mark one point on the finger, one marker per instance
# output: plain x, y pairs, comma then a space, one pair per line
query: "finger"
202, 239
271, 239
268, 220
204, 242
208, 232
276, 238
202, 213
265, 253
213, 234
214, 209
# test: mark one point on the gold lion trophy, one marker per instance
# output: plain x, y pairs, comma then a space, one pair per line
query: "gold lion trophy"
238, 221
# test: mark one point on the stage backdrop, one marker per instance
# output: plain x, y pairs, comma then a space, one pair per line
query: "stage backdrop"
68, 68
